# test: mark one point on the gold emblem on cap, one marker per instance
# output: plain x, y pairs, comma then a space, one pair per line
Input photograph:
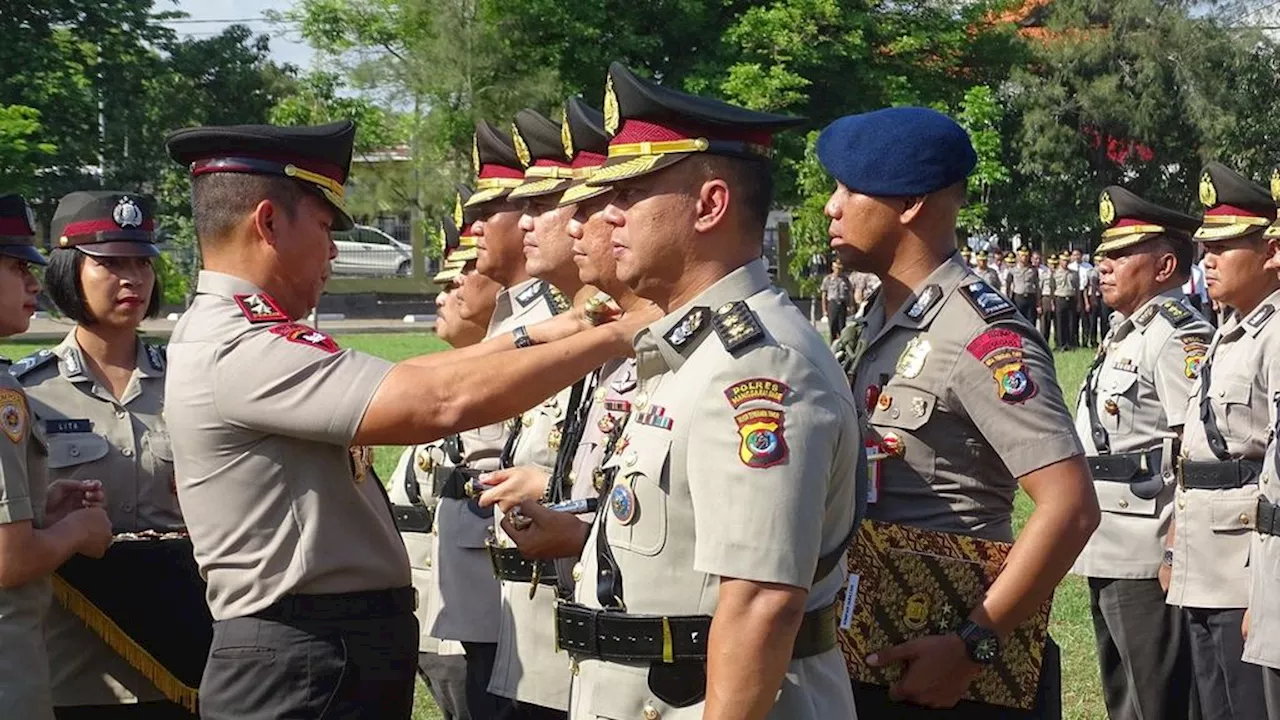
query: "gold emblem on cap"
1208, 193
1106, 209
611, 112
1275, 185
475, 153
522, 149
457, 211
566, 137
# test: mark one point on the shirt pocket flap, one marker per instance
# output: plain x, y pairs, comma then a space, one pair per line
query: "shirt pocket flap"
158, 443
907, 409
76, 449
1227, 514
1118, 498
1233, 392
1119, 381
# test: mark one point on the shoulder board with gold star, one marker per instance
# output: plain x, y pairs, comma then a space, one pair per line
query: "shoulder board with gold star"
35, 360
737, 326
557, 300
1175, 313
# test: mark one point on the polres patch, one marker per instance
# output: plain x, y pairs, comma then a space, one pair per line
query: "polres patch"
303, 335
763, 442
992, 340
768, 389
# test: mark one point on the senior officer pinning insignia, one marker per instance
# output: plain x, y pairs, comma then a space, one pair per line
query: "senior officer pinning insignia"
986, 300
911, 361
927, 299
768, 389
763, 443
689, 327
260, 308
303, 335
736, 325
13, 414
1001, 351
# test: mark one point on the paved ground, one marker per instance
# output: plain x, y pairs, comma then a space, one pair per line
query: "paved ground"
44, 329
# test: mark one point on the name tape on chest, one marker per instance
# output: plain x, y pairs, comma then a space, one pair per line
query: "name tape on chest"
304, 335
260, 308
986, 300
66, 426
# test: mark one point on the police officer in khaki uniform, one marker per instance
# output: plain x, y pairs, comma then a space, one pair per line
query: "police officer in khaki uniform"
959, 393
1024, 286
1044, 304
1129, 417
1262, 621
1066, 288
99, 396
724, 379
41, 526
1229, 418
989, 274
268, 419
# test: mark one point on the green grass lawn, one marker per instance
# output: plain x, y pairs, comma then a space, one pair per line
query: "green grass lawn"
1071, 624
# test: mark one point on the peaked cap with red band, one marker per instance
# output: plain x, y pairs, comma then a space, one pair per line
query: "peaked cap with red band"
18, 230
1234, 205
105, 223
499, 170
588, 143
318, 156
541, 141
1129, 219
653, 127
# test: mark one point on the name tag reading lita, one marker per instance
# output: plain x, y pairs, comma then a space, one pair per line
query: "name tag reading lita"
67, 426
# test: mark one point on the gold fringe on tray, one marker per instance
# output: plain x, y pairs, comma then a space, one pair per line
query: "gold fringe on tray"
115, 638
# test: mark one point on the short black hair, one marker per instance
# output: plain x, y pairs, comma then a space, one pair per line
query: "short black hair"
219, 201
62, 284
751, 181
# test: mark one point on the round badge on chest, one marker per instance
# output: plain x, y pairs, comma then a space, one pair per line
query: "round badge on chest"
622, 501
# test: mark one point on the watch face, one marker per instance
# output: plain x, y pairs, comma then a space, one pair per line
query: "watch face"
985, 650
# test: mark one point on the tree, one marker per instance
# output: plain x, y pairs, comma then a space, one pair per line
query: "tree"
21, 153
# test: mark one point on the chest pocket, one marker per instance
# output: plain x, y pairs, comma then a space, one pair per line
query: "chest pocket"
1118, 400
76, 451
908, 409
1232, 396
641, 466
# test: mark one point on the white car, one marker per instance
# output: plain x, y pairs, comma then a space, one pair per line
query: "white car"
365, 251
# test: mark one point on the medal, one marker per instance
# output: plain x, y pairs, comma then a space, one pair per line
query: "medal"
892, 445
554, 438
1111, 407
622, 501
607, 424
885, 401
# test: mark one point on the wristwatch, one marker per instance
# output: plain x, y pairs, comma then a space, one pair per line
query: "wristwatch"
521, 338
1168, 557
983, 645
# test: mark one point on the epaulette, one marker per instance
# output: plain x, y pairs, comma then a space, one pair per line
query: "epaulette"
37, 359
557, 300
1147, 315
1261, 316
984, 298
1175, 313
737, 326
158, 355
531, 293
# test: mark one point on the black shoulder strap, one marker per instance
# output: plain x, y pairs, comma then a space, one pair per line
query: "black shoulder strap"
579, 404
1101, 441
1217, 443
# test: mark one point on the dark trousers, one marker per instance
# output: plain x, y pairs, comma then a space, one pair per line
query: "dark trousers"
1144, 651
353, 669
1026, 305
1091, 322
1230, 688
1064, 318
837, 317
525, 711
446, 679
1271, 689
132, 711
483, 704
1046, 316
873, 701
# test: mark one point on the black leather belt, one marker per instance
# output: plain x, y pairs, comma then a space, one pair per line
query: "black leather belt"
510, 566
412, 518
1218, 474
342, 606
610, 635
1124, 467
1268, 517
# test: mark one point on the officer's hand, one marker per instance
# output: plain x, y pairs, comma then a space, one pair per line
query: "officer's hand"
512, 486
937, 674
95, 529
1164, 574
66, 496
549, 534
1244, 625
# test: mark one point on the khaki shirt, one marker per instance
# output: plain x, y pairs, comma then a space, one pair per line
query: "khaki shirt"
24, 668
1026, 280
1066, 283
991, 276
1046, 280
960, 391
261, 414
1262, 647
123, 443
1215, 527
464, 598
1140, 387
740, 459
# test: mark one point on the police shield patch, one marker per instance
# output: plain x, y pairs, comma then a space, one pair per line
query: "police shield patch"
761, 432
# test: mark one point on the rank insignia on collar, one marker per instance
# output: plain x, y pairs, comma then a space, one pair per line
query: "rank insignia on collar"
260, 308
926, 300
304, 335
71, 363
655, 416
689, 328
1147, 315
767, 389
13, 414
559, 303
531, 293
986, 300
156, 356
1261, 315
736, 325
763, 443
1175, 313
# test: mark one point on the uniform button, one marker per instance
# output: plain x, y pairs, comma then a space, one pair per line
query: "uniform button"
1124, 503
573, 476
896, 412
127, 452
651, 712
577, 572
1182, 503
1244, 519
75, 451
120, 414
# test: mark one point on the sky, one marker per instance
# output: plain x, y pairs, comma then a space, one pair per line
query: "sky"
285, 46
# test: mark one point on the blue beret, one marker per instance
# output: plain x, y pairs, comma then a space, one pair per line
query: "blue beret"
897, 152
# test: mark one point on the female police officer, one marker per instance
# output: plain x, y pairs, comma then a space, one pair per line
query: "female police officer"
98, 397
